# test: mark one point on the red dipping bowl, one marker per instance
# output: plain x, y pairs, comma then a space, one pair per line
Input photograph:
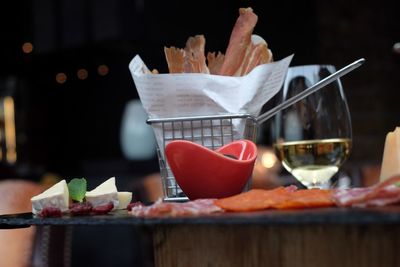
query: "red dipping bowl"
204, 173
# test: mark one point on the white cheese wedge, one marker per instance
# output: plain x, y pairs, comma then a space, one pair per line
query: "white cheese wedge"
124, 199
391, 155
56, 196
103, 194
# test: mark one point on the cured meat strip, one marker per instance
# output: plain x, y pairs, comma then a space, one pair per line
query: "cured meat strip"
347, 197
256, 199
191, 59
194, 59
215, 62
239, 41
175, 59
244, 52
307, 198
256, 54
171, 209
380, 194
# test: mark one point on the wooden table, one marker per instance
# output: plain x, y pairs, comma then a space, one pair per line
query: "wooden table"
314, 237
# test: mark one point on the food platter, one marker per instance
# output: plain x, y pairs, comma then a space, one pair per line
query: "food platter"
331, 215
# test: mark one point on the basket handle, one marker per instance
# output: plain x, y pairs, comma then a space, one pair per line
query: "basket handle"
331, 78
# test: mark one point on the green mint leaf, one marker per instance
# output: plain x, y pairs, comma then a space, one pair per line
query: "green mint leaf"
77, 189
397, 184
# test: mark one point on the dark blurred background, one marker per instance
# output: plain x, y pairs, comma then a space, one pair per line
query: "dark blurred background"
65, 64
73, 124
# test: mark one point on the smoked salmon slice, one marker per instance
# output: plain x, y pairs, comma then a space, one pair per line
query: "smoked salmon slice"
278, 198
255, 199
307, 198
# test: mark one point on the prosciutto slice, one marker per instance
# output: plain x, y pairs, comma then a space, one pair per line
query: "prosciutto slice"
215, 62
172, 209
195, 61
245, 51
191, 59
256, 54
175, 59
381, 194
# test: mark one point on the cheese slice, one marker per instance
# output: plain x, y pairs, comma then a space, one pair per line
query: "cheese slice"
56, 196
103, 194
391, 155
124, 199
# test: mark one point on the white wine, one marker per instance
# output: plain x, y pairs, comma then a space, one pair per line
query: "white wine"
313, 162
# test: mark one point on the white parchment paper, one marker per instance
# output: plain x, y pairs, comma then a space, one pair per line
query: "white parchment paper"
196, 94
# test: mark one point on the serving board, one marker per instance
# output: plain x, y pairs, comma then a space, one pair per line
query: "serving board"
334, 215
329, 237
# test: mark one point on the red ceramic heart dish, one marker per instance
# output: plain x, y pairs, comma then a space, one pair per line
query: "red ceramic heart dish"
204, 173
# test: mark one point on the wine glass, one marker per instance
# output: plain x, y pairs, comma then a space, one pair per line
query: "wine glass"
313, 137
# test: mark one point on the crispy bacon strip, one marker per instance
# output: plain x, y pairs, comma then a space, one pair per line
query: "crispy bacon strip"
175, 59
239, 42
215, 62
194, 59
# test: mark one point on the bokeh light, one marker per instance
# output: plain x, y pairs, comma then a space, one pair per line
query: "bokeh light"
82, 74
103, 70
268, 159
27, 47
61, 77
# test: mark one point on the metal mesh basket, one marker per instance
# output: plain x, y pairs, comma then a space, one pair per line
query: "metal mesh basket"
209, 131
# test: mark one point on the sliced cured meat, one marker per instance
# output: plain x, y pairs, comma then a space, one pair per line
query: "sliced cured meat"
257, 53
307, 198
262, 52
191, 59
346, 197
175, 59
388, 195
239, 42
279, 198
170, 209
244, 52
255, 199
380, 194
215, 62
194, 59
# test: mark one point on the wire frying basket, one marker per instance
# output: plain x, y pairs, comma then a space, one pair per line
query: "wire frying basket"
216, 131
209, 131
